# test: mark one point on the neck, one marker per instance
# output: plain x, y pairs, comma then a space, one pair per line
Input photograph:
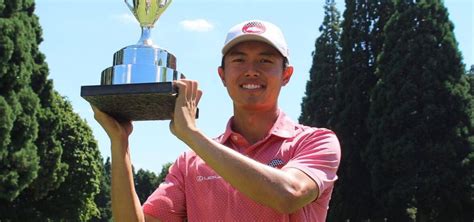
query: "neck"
254, 125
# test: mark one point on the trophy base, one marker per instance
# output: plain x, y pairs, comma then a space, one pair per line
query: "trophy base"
141, 101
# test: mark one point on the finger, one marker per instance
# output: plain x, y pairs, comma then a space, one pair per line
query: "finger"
172, 126
194, 91
181, 86
198, 97
189, 90
98, 114
95, 109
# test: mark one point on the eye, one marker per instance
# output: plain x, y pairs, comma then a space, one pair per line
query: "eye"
266, 61
237, 60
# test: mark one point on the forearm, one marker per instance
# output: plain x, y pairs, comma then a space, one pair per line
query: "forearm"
266, 185
125, 203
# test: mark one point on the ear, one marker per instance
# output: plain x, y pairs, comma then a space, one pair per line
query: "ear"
220, 70
287, 73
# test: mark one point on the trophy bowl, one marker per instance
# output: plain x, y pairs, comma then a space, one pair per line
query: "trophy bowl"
139, 84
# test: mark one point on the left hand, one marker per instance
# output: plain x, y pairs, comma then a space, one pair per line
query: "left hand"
184, 118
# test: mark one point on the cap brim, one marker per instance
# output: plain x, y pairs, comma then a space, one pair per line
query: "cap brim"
246, 38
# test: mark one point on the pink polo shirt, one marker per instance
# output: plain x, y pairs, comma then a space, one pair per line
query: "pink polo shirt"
194, 191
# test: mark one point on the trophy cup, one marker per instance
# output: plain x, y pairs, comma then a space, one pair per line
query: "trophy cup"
139, 84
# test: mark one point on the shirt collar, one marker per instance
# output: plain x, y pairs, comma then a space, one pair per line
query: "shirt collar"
283, 127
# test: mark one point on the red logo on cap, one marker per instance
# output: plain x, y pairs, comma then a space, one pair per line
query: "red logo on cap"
254, 28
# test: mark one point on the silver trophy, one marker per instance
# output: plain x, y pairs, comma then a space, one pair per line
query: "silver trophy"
139, 84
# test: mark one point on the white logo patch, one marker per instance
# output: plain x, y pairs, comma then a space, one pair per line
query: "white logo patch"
206, 178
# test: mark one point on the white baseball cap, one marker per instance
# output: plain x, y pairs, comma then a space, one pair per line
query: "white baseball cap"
256, 30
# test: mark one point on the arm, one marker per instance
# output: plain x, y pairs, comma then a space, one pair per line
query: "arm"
284, 190
125, 203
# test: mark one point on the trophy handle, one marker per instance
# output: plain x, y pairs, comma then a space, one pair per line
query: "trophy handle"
164, 3
129, 5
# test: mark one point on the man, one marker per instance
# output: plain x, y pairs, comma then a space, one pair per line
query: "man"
264, 167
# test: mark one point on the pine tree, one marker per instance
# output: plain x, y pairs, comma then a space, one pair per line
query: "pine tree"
470, 77
19, 105
421, 153
49, 161
361, 42
317, 106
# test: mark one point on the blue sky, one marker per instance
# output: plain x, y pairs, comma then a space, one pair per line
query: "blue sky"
80, 37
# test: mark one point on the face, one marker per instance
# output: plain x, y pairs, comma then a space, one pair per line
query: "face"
254, 75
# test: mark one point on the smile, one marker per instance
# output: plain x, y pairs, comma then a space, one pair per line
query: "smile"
251, 86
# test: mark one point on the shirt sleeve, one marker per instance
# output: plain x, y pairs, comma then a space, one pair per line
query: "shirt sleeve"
317, 154
168, 201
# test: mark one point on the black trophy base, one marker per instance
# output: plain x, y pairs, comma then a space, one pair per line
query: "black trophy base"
143, 101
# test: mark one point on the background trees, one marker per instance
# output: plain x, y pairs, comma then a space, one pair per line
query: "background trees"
48, 157
317, 107
361, 41
420, 119
402, 111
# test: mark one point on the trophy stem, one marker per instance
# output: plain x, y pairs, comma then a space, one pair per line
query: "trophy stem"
145, 38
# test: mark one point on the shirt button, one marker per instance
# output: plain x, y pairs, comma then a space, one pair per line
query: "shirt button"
235, 138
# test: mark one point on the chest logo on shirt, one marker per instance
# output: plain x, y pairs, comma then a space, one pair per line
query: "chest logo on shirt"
207, 178
276, 163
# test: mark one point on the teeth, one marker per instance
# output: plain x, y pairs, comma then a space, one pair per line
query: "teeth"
251, 86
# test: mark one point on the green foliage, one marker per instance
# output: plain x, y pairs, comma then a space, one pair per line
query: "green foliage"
421, 120
49, 162
361, 41
317, 106
164, 172
145, 183
103, 198
19, 161
81, 154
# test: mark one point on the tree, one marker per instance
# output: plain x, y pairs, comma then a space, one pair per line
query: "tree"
85, 165
361, 41
470, 77
145, 183
19, 105
103, 198
317, 106
45, 147
164, 172
421, 120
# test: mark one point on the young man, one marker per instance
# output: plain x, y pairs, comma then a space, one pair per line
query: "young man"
264, 167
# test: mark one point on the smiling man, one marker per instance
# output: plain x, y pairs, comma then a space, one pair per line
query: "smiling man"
264, 167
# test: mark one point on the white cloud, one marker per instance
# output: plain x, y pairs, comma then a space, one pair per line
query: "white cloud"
197, 25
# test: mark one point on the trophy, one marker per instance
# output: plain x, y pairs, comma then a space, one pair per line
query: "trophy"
139, 84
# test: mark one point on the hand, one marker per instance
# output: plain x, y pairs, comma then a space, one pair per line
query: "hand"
115, 129
184, 116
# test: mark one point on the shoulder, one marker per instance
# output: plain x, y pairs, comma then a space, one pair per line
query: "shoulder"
184, 160
314, 133
317, 139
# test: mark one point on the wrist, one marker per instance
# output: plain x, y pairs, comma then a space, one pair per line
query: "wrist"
119, 143
190, 136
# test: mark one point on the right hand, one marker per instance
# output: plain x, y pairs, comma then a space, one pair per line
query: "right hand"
183, 121
116, 130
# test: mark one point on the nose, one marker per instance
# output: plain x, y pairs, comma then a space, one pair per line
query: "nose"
252, 71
